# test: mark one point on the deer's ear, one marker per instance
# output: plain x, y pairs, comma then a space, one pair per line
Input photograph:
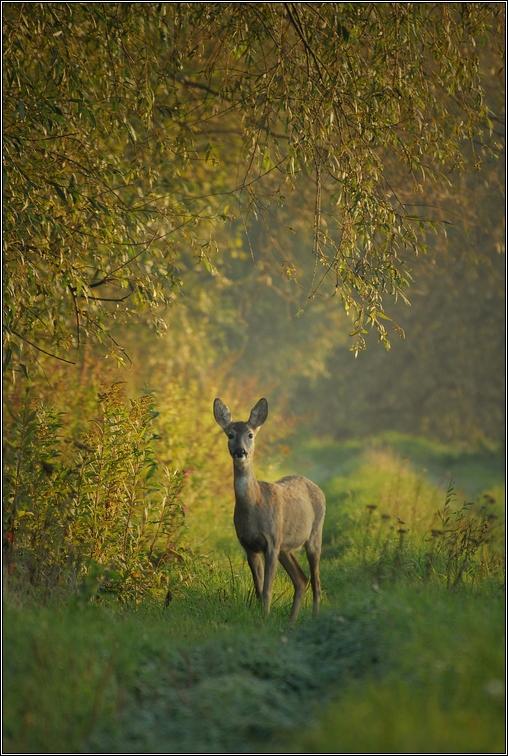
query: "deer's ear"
258, 414
221, 413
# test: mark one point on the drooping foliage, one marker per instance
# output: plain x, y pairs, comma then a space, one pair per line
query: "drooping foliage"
136, 133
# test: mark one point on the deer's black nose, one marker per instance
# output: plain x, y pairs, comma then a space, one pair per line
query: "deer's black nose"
239, 453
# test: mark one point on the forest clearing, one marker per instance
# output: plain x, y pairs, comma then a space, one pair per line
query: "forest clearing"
297, 201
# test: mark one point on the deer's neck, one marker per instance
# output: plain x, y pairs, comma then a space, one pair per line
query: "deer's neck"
247, 492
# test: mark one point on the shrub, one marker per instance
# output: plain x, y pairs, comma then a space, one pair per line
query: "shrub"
102, 515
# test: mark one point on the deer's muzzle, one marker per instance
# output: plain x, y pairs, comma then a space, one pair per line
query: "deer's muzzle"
239, 453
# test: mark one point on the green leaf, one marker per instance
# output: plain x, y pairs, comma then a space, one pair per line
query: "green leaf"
132, 132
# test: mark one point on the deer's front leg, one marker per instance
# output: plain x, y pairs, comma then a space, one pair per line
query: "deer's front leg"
271, 557
256, 566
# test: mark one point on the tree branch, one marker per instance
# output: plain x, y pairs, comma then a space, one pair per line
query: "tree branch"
23, 338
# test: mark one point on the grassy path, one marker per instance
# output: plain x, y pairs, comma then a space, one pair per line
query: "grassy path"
395, 662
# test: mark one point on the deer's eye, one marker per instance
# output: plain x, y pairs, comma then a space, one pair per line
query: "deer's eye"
251, 435
231, 435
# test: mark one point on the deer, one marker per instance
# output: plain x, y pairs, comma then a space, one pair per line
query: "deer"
273, 520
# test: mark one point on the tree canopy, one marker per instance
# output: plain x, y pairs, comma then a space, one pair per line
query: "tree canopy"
141, 136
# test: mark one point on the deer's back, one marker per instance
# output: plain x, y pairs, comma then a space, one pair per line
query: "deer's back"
302, 509
296, 487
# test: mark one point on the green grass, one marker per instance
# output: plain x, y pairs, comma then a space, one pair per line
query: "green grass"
207, 675
474, 469
442, 690
395, 662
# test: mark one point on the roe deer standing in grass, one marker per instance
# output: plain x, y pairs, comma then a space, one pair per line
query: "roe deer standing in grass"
274, 519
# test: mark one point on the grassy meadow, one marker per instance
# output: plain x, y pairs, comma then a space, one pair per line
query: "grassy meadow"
407, 654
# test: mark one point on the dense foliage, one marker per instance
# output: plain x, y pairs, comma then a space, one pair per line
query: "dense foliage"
101, 510
134, 131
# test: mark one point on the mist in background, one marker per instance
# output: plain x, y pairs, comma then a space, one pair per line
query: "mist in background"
250, 331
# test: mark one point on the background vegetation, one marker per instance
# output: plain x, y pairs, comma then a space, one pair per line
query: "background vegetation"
214, 199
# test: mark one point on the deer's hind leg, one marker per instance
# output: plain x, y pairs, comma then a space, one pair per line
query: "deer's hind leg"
299, 579
313, 551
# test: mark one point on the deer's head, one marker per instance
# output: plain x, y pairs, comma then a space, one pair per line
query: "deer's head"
240, 435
